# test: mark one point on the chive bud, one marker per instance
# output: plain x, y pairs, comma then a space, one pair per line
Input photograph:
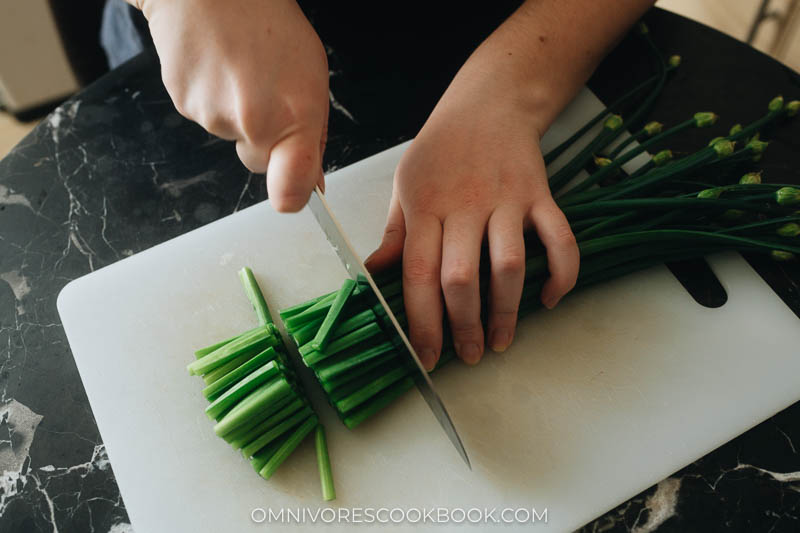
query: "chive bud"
792, 229
613, 122
776, 104
653, 128
674, 60
713, 141
780, 255
732, 215
787, 196
710, 194
662, 158
756, 147
601, 162
792, 108
723, 148
705, 119
736, 128
642, 28
750, 178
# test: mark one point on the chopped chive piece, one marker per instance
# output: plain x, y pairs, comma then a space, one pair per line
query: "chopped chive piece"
307, 332
259, 399
202, 352
340, 380
354, 337
219, 386
371, 389
288, 447
378, 402
259, 339
260, 459
230, 366
317, 310
353, 323
273, 433
324, 464
255, 296
327, 369
299, 308
239, 439
232, 395
334, 314
242, 431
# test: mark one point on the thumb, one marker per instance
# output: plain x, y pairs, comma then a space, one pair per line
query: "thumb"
294, 168
391, 248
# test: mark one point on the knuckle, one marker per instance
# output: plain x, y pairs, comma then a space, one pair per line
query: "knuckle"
510, 262
459, 275
418, 271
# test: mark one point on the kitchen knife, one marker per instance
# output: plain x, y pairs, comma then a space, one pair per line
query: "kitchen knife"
355, 268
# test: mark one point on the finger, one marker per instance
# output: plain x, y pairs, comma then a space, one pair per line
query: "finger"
253, 157
294, 168
394, 235
421, 288
507, 253
461, 249
563, 257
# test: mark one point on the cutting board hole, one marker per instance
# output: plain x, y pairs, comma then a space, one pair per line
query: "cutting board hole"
700, 281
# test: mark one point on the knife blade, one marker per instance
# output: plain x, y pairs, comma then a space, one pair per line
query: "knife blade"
355, 268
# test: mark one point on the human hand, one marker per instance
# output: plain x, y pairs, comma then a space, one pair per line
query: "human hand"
474, 170
254, 72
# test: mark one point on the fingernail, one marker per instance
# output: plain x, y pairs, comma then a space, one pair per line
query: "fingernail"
469, 353
501, 338
427, 357
550, 302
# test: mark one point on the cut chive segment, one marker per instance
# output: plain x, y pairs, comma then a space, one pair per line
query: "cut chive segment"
363, 394
245, 432
318, 310
287, 447
259, 339
275, 432
312, 357
334, 314
378, 402
299, 308
239, 439
327, 370
222, 384
324, 464
255, 296
258, 400
242, 388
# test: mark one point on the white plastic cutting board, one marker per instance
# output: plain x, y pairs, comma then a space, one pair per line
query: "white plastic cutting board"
617, 388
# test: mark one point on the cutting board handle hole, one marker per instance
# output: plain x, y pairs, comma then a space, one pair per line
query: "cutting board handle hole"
700, 281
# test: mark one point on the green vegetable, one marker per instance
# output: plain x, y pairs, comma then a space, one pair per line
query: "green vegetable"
259, 339
258, 400
325, 330
228, 380
242, 388
253, 292
324, 464
275, 432
287, 447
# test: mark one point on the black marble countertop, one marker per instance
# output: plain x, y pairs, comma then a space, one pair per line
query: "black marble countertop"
116, 170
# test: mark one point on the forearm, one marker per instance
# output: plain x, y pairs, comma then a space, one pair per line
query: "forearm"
547, 50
